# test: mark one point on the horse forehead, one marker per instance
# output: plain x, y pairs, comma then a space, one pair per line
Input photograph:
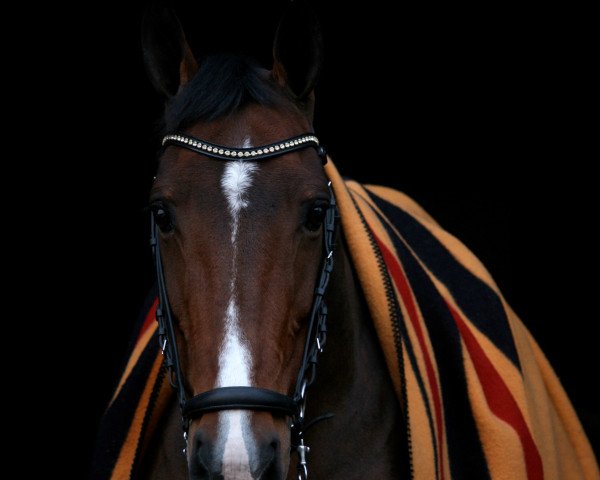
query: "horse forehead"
265, 185
259, 123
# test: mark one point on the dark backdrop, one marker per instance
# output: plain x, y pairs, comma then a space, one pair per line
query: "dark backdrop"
478, 114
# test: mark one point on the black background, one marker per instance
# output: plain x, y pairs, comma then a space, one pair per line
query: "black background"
479, 114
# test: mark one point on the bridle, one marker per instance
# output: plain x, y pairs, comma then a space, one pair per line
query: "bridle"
252, 398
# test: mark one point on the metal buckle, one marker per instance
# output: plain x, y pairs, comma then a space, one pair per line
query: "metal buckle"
302, 465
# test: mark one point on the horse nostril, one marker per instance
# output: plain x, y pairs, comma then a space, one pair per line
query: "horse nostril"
199, 440
270, 461
275, 445
201, 458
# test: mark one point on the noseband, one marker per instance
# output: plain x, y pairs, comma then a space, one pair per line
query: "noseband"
251, 398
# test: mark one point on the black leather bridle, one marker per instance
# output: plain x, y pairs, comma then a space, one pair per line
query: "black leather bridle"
251, 398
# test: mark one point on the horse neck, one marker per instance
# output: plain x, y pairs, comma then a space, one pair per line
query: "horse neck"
349, 329
352, 383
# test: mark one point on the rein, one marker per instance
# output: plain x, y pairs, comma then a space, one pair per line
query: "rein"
252, 398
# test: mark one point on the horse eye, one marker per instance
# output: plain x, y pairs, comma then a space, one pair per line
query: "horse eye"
162, 217
315, 217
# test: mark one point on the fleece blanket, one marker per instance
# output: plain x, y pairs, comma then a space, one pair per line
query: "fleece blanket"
479, 397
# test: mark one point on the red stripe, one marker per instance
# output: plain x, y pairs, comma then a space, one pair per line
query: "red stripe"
149, 320
499, 398
405, 291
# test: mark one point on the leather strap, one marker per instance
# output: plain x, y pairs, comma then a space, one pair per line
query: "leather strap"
247, 398
252, 398
254, 154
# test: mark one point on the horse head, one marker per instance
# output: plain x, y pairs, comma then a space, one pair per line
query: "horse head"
241, 241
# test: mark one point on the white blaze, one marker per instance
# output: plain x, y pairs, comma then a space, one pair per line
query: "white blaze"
235, 361
236, 180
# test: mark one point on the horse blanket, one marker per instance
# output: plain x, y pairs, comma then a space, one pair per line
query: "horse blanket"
479, 398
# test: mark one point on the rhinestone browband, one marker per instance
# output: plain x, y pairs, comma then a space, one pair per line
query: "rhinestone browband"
220, 152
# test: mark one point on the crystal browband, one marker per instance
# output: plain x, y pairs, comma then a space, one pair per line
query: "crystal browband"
221, 152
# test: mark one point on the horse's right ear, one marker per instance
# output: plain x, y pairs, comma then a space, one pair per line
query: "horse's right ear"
298, 52
167, 55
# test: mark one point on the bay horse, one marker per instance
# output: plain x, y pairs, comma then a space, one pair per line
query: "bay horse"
241, 251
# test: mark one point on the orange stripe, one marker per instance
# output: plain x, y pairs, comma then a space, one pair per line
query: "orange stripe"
139, 348
149, 320
405, 291
122, 470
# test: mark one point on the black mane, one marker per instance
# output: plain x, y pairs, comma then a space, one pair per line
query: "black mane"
223, 85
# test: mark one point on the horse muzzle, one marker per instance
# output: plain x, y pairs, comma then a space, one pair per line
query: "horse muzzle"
239, 445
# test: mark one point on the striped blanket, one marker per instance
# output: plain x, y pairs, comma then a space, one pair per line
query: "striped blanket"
480, 397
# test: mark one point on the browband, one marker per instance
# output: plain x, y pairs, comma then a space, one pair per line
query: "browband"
263, 152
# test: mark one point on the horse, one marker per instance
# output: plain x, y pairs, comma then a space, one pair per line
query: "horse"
241, 245
306, 319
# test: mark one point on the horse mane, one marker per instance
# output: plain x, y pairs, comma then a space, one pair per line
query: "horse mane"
224, 84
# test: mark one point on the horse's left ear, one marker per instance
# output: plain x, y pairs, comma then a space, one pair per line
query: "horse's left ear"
167, 55
298, 53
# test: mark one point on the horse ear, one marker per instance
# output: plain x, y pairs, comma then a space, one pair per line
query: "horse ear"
298, 51
167, 55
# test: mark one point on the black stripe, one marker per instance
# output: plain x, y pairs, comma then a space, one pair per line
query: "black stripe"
116, 422
476, 299
467, 460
